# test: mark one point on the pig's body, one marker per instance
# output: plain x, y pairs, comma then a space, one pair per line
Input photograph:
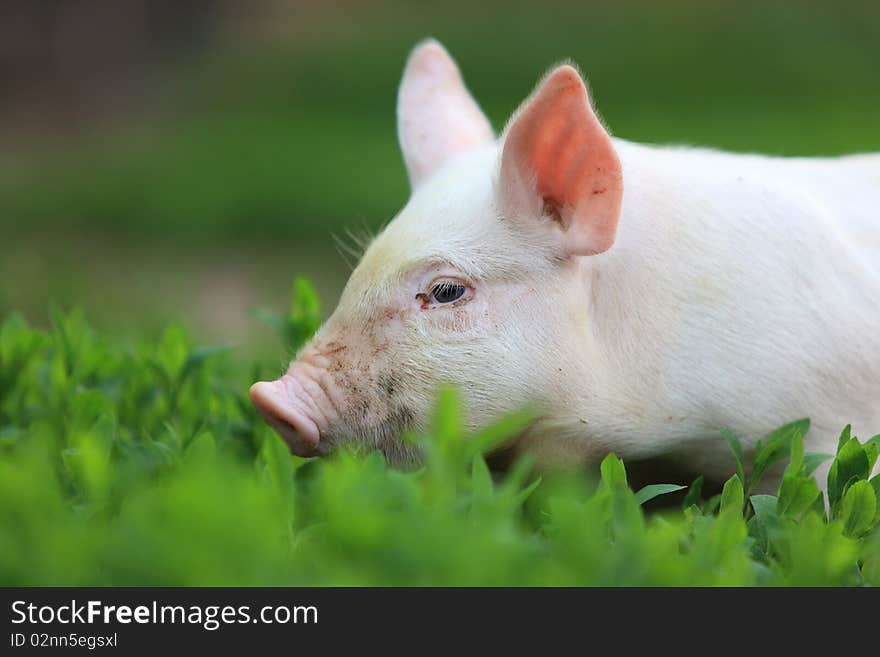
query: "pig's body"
640, 297
742, 291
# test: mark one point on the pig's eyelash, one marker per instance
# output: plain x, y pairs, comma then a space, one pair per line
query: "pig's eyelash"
443, 291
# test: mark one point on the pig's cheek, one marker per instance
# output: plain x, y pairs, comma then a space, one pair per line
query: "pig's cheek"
457, 318
365, 380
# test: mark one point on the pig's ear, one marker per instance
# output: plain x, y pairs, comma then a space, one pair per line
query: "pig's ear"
559, 160
437, 118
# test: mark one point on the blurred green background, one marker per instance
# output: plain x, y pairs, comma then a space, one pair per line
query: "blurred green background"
183, 161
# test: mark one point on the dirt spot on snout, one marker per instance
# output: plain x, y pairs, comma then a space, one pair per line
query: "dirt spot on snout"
388, 384
332, 348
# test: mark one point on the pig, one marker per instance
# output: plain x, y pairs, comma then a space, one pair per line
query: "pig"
637, 297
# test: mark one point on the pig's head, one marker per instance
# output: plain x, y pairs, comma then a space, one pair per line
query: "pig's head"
478, 282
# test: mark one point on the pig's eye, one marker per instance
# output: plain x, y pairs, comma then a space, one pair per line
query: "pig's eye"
447, 291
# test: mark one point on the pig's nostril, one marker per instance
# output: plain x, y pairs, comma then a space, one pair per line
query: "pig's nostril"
298, 430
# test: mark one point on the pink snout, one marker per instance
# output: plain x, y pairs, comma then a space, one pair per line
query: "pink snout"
284, 407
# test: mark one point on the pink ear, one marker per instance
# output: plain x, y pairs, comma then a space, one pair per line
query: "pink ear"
437, 118
557, 153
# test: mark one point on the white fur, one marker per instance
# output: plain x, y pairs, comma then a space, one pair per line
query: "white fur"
741, 291
737, 294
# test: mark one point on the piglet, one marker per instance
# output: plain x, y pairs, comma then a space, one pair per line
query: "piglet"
639, 297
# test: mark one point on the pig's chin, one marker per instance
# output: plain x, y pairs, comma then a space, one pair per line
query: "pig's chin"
386, 437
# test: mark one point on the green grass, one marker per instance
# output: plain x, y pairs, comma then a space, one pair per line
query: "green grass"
143, 463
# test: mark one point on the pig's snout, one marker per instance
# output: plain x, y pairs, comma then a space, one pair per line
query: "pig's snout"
285, 406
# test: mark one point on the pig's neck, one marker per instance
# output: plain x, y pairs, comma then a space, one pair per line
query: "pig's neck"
633, 294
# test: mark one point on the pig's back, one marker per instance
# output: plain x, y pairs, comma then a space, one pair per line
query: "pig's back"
849, 187
846, 187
